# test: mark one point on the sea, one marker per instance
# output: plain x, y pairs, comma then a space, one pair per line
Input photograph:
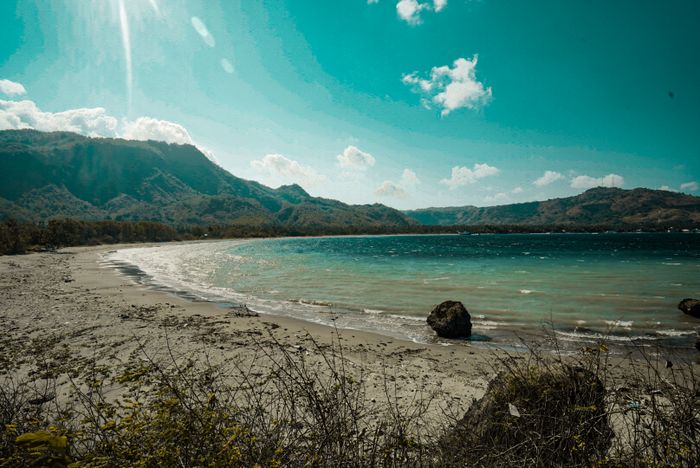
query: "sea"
578, 288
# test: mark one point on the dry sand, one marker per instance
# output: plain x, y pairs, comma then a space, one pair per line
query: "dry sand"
67, 306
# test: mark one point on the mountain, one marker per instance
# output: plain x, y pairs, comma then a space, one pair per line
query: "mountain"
597, 206
61, 174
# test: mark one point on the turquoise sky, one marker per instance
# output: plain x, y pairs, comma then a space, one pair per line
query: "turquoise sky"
346, 97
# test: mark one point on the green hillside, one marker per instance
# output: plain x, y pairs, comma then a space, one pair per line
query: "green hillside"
53, 175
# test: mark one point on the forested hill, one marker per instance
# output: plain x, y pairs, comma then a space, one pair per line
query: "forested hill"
64, 175
597, 206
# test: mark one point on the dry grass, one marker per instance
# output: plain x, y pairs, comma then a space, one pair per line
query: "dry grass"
284, 407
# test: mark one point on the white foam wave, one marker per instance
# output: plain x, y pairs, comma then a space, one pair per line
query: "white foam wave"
576, 335
619, 323
675, 332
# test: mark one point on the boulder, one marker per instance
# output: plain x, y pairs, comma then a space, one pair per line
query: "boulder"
451, 320
690, 307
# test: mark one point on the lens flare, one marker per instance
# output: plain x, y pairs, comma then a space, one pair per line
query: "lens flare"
126, 43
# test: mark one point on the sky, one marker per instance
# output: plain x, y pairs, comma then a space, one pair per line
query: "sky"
409, 103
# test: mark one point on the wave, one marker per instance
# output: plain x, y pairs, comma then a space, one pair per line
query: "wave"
676, 333
220, 271
620, 323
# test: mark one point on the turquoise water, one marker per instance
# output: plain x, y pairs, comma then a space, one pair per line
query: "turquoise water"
623, 286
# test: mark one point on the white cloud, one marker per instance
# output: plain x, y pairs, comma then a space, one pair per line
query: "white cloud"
288, 170
11, 88
202, 30
93, 122
354, 159
451, 88
547, 178
227, 65
666, 188
409, 180
517, 190
411, 10
462, 175
390, 189
690, 186
586, 182
439, 5
147, 128
371, 2
500, 197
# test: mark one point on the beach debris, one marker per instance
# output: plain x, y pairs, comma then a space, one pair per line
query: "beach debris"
40, 400
242, 310
451, 319
669, 364
513, 410
690, 307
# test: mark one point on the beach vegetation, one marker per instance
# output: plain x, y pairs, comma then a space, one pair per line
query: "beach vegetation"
294, 406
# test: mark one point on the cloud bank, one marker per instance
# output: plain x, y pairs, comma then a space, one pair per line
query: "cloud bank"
547, 178
690, 186
147, 128
288, 170
497, 199
451, 88
586, 182
462, 175
91, 122
409, 180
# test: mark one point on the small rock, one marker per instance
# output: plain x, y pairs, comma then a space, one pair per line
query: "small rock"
690, 307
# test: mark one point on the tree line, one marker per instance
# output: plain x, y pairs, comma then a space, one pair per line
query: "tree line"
20, 237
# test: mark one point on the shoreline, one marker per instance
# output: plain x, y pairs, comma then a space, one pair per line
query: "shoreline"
67, 316
67, 303
571, 338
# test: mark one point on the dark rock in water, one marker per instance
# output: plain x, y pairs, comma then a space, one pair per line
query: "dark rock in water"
529, 412
451, 320
690, 307
697, 345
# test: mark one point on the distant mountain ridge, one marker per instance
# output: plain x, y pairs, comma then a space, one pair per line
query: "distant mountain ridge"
596, 206
62, 174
